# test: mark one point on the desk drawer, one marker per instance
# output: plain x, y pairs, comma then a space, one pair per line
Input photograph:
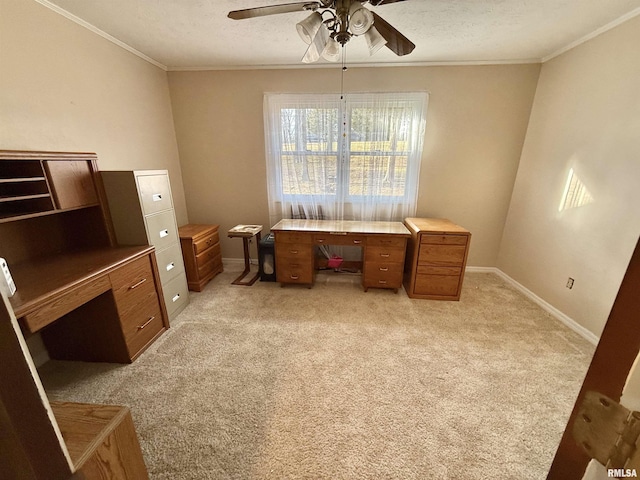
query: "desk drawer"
287, 272
294, 251
133, 284
294, 237
202, 243
384, 254
141, 324
161, 228
383, 275
386, 241
64, 304
339, 239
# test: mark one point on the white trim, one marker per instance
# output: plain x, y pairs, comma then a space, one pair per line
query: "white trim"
97, 31
592, 35
357, 65
568, 321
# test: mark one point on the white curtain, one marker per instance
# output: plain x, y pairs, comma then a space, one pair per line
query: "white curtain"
355, 158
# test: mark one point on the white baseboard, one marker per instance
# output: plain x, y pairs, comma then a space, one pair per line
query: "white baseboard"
568, 321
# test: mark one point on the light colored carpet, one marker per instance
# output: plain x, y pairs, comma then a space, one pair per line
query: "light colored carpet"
266, 382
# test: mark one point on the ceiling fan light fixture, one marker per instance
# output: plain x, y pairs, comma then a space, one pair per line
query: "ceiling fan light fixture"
360, 19
375, 41
308, 28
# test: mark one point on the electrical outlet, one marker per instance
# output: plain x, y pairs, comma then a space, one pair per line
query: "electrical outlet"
570, 283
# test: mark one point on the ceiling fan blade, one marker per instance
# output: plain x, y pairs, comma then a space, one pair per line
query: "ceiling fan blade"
272, 10
375, 3
396, 42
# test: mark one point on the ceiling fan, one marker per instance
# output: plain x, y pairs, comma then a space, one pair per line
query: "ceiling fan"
332, 23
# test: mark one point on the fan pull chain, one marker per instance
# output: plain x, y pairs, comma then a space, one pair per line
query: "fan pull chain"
344, 69
343, 106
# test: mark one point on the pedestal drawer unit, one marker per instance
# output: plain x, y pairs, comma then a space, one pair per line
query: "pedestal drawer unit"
201, 252
436, 258
384, 262
294, 257
142, 211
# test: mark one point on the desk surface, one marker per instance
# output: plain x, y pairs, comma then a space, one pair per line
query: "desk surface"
40, 280
342, 226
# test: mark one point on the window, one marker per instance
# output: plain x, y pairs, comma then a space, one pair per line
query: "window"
357, 158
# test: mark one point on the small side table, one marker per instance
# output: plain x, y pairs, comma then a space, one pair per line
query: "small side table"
246, 232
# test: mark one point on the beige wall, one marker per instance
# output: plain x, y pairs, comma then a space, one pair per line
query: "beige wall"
65, 88
476, 123
586, 116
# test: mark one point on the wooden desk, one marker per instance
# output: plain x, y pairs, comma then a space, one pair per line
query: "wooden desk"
99, 304
384, 245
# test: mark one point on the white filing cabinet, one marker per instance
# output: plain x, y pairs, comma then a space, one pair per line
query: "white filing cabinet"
142, 212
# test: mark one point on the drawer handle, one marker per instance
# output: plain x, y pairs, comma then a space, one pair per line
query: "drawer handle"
137, 284
171, 266
384, 255
294, 277
295, 252
383, 282
384, 269
140, 327
320, 240
357, 242
164, 233
156, 197
176, 297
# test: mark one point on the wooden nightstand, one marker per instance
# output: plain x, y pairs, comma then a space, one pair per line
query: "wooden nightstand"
201, 252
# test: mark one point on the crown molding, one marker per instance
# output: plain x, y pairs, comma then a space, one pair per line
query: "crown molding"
609, 26
99, 32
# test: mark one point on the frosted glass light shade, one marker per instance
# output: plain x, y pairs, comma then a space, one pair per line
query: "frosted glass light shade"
308, 27
317, 46
375, 41
360, 19
331, 50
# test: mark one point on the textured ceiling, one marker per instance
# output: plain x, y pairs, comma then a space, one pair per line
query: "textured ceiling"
192, 34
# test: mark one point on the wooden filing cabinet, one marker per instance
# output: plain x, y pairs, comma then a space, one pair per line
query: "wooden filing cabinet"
436, 258
141, 207
201, 252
